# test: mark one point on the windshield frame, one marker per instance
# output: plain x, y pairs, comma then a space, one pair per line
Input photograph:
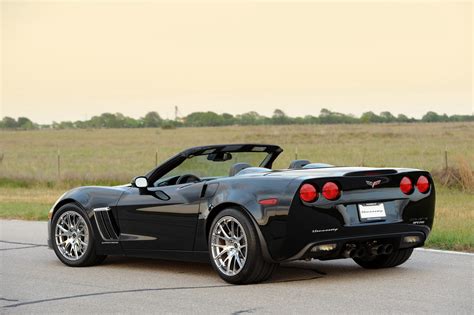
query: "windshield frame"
272, 153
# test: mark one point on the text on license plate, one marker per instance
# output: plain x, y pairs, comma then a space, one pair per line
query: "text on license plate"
372, 211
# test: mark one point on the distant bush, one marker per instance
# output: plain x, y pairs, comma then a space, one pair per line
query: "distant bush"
168, 126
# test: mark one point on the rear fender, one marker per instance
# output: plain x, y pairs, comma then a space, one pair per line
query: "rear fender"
246, 196
250, 191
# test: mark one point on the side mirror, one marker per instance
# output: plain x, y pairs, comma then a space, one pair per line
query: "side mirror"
140, 182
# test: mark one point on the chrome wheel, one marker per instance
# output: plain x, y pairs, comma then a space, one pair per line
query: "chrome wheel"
229, 245
71, 235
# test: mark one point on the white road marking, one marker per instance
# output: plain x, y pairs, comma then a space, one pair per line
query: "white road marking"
443, 251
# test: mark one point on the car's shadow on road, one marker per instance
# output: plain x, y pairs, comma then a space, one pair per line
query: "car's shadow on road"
183, 276
286, 272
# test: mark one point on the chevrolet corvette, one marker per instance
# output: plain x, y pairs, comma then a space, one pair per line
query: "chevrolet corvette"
226, 205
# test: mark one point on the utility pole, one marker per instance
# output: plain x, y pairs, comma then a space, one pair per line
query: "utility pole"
177, 114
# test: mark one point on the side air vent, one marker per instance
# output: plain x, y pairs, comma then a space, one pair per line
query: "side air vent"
107, 230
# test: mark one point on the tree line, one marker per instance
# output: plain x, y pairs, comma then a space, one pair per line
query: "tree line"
209, 119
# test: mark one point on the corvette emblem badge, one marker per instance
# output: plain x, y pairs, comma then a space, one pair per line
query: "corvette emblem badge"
374, 183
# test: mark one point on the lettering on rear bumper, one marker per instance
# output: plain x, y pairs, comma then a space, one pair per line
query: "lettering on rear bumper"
418, 221
325, 230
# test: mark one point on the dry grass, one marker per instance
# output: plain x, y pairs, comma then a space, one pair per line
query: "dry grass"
459, 176
89, 156
28, 171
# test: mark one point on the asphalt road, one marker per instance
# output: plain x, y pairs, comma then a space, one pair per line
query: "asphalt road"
33, 280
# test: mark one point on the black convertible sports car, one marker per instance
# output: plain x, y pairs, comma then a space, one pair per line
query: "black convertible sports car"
224, 203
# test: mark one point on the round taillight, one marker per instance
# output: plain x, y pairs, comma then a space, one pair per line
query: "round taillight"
331, 191
308, 193
423, 184
406, 185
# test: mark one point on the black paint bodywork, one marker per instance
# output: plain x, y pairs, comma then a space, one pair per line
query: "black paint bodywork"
172, 222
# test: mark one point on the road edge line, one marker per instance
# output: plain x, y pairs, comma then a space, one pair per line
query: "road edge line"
443, 251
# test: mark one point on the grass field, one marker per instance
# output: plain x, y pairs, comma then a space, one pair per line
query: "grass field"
30, 183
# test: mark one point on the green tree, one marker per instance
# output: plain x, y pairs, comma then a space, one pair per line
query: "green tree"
9, 123
387, 117
370, 117
81, 124
279, 118
328, 117
461, 118
25, 123
403, 118
250, 118
152, 119
431, 117
309, 119
228, 119
200, 119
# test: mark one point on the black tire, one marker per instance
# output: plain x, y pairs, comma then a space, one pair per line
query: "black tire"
394, 259
255, 269
89, 257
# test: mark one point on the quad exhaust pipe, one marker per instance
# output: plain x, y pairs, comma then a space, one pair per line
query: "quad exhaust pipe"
354, 251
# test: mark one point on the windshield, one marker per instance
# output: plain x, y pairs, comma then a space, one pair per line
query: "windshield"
210, 166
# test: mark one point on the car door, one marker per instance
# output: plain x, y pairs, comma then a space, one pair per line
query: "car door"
159, 218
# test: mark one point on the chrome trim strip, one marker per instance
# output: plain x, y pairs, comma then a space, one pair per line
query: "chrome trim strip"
102, 209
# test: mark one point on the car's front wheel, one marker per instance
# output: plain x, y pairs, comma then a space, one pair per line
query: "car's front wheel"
73, 238
394, 259
235, 249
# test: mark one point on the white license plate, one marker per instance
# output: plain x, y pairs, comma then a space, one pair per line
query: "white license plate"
372, 211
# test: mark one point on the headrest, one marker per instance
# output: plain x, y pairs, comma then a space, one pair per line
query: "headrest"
250, 170
237, 167
317, 165
298, 164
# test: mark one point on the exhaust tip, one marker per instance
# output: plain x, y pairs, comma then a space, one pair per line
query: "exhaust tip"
350, 251
376, 249
388, 249
360, 252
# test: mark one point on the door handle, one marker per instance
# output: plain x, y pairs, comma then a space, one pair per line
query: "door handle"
162, 195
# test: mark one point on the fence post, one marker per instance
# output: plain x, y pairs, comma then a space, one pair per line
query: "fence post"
59, 165
296, 152
156, 157
446, 159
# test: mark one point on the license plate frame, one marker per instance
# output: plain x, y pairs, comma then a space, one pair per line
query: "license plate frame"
373, 211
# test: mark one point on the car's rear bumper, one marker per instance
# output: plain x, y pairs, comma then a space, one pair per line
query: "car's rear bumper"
298, 244
397, 240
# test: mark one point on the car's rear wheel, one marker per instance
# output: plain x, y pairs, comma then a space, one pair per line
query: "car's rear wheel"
394, 259
73, 238
235, 249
